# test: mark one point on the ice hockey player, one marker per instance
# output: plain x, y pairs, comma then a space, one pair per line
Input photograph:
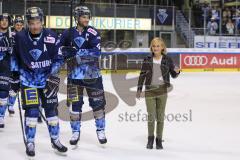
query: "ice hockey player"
18, 24
36, 55
5, 72
14, 81
84, 73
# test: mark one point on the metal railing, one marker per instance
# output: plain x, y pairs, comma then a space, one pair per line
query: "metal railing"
131, 13
201, 21
187, 23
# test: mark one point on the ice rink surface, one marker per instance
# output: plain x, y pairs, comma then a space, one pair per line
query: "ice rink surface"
210, 101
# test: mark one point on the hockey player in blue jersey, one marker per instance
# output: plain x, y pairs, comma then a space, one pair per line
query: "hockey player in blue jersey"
84, 73
14, 81
5, 73
18, 23
36, 55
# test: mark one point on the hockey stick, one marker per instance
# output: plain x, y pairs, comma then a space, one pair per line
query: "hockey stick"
71, 14
21, 121
10, 40
71, 44
43, 117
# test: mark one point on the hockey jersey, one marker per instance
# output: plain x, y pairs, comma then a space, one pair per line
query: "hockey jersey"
5, 51
87, 44
35, 60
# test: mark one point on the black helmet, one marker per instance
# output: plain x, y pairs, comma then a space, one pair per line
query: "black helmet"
80, 11
18, 19
34, 13
6, 16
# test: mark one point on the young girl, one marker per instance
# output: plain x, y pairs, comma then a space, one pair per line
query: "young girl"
155, 74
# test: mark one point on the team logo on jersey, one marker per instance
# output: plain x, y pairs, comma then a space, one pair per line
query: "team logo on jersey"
31, 96
49, 39
79, 41
35, 53
162, 15
41, 64
92, 31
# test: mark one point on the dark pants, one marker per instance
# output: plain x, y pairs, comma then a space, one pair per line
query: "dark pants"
95, 92
32, 98
96, 97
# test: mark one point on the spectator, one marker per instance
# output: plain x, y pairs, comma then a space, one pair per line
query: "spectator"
233, 10
238, 20
197, 12
224, 24
212, 27
234, 14
227, 13
215, 13
206, 6
207, 14
230, 27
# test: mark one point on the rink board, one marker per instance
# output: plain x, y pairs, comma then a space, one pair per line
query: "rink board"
189, 60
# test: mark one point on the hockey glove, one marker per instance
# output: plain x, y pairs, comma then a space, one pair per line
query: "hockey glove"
68, 52
52, 86
15, 81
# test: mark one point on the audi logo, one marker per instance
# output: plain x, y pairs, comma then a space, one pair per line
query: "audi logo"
195, 60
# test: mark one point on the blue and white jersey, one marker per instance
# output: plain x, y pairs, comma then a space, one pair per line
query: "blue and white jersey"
5, 51
4, 45
34, 59
88, 51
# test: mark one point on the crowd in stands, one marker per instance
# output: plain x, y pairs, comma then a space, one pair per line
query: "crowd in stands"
225, 20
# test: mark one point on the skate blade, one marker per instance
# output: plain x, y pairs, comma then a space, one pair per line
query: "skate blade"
11, 115
102, 145
30, 158
60, 153
74, 147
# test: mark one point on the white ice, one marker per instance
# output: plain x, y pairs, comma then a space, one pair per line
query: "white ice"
213, 133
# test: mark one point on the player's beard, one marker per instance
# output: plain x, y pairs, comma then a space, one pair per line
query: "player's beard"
82, 25
35, 31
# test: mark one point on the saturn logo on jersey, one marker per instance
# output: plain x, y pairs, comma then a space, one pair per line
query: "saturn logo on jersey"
79, 41
41, 64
